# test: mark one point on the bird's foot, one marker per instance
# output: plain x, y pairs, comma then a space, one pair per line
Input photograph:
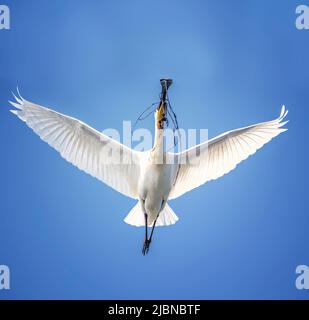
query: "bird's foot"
146, 246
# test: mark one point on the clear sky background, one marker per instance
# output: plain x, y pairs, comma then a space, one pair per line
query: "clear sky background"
234, 63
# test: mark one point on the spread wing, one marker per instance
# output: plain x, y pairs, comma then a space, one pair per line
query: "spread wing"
216, 157
88, 149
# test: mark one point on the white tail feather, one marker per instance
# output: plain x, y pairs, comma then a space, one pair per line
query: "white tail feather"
136, 217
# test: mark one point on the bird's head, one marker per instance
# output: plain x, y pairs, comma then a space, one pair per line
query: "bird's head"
161, 111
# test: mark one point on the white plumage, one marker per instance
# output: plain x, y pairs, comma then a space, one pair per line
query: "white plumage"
82, 145
222, 154
137, 174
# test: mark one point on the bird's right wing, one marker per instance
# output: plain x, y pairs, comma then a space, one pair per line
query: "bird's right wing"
216, 157
88, 149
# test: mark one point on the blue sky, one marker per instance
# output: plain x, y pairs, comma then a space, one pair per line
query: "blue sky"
234, 63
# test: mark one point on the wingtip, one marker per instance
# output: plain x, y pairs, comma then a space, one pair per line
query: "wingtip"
16, 105
19, 100
20, 96
14, 112
283, 112
16, 98
282, 123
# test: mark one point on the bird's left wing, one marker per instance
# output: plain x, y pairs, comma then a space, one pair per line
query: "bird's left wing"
216, 157
88, 149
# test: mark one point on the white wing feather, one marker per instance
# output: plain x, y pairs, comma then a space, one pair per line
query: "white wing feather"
216, 157
83, 146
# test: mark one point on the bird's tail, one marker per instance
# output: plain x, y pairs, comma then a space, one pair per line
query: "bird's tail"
136, 217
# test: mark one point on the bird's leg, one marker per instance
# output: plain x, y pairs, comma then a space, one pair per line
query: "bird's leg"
146, 226
146, 243
149, 240
153, 227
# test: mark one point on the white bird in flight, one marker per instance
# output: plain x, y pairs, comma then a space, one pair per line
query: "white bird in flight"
141, 175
